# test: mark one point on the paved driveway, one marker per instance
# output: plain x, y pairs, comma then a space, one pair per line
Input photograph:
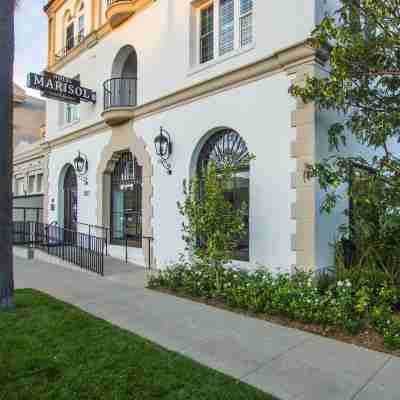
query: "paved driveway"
284, 362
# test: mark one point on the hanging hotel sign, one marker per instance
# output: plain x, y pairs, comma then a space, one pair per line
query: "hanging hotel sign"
61, 88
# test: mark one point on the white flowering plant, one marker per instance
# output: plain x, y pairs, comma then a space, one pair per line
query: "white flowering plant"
298, 296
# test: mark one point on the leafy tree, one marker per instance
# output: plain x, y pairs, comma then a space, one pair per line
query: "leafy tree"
212, 227
6, 132
361, 84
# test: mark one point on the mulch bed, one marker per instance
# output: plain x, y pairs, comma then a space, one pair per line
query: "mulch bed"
367, 338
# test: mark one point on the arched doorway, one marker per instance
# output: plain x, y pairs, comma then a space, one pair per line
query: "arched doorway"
126, 201
227, 148
70, 199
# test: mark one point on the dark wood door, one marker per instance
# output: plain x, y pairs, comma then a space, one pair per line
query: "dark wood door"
70, 200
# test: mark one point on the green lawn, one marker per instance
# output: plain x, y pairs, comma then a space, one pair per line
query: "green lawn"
52, 350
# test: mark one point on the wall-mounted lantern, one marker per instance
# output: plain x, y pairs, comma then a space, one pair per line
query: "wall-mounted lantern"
81, 165
163, 146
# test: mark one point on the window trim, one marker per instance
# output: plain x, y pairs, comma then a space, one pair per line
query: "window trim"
237, 47
200, 9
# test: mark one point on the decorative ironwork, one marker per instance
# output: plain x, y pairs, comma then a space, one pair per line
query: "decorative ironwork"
85, 251
225, 148
126, 201
163, 146
120, 92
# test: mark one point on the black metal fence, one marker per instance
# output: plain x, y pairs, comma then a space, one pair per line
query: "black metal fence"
100, 232
120, 92
83, 250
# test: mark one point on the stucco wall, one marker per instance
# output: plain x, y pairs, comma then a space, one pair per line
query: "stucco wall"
161, 37
59, 158
260, 113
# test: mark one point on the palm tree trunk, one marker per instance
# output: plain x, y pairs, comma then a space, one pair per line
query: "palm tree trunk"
6, 152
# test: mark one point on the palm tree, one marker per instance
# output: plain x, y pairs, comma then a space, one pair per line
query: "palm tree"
7, 8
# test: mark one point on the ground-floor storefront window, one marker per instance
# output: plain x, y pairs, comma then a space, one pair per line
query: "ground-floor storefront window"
126, 201
226, 147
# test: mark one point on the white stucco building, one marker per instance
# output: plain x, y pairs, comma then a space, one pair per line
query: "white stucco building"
215, 75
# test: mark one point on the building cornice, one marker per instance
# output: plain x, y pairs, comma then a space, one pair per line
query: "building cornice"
53, 5
31, 152
285, 60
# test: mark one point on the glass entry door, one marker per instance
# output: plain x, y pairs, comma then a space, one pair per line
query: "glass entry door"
126, 202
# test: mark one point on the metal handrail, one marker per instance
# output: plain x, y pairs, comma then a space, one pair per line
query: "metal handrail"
86, 251
120, 92
105, 231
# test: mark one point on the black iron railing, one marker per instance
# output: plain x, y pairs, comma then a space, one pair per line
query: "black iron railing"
120, 92
70, 45
97, 230
85, 251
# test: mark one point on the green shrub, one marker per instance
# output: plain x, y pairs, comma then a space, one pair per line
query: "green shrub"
299, 296
212, 227
391, 335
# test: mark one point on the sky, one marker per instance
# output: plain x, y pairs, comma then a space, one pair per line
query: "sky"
30, 41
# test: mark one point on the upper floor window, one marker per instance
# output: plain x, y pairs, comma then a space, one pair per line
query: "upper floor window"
70, 112
20, 186
39, 183
73, 28
69, 38
81, 27
223, 26
31, 183
207, 33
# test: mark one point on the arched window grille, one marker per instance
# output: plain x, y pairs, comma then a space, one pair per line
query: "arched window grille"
126, 201
227, 148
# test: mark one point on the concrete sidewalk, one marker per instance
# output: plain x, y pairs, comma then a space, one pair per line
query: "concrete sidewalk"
286, 363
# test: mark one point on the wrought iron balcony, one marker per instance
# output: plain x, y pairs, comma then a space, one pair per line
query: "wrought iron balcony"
119, 10
70, 45
120, 96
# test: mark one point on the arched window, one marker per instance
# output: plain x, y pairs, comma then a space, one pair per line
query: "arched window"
69, 31
121, 89
126, 201
227, 148
74, 26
